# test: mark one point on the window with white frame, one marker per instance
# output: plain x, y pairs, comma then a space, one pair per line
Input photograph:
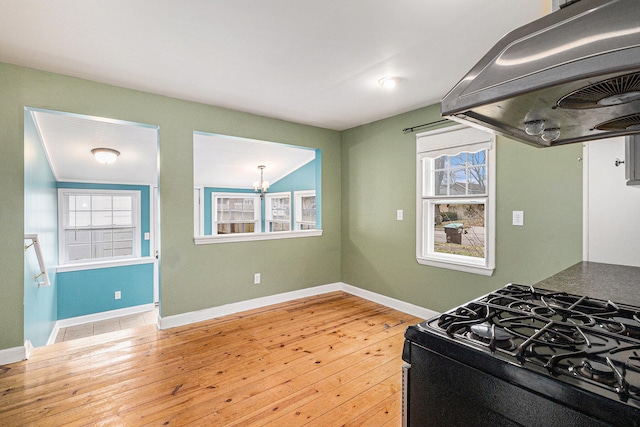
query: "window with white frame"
235, 213
305, 209
277, 212
98, 225
455, 199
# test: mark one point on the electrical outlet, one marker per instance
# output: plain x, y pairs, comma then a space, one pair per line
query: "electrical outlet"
117, 295
399, 215
256, 278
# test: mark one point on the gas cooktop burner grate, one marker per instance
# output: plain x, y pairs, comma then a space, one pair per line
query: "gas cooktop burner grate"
570, 337
630, 122
615, 91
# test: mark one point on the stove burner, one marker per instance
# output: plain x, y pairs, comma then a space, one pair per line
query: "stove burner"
495, 337
600, 372
565, 317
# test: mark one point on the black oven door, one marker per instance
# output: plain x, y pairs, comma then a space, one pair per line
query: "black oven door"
441, 391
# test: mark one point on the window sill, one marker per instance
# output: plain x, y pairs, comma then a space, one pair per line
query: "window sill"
103, 264
251, 237
475, 269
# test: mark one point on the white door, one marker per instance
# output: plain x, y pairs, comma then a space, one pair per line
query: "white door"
611, 208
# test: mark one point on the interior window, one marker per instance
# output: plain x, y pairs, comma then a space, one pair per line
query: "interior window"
247, 189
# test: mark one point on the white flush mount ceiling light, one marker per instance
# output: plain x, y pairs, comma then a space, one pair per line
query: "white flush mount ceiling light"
105, 155
388, 82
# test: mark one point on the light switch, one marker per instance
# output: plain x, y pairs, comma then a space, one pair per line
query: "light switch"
147, 236
399, 214
518, 218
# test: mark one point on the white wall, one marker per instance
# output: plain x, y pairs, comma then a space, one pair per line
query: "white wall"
611, 217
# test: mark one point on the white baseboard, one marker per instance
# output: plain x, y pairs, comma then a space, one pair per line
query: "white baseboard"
54, 333
396, 304
237, 307
72, 321
15, 354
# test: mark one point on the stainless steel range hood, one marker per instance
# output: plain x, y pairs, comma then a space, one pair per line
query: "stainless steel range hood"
571, 76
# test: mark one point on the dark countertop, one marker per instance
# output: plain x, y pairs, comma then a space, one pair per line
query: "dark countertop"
617, 283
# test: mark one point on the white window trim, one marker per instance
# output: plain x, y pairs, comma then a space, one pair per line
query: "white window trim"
85, 264
297, 197
429, 144
257, 208
268, 211
252, 237
104, 264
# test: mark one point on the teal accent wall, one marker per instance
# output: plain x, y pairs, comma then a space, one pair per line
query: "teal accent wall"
41, 218
145, 205
303, 178
379, 252
306, 177
92, 291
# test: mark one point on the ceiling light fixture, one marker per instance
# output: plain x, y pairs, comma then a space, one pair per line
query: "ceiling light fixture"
388, 82
105, 155
261, 186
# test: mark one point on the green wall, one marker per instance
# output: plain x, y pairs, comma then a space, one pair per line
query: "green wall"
379, 252
367, 174
192, 277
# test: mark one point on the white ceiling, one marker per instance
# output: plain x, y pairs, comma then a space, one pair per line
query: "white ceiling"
69, 138
315, 63
228, 162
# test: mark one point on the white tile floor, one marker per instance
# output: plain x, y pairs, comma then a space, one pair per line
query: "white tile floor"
109, 325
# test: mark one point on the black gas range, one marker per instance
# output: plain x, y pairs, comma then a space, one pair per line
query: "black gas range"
525, 356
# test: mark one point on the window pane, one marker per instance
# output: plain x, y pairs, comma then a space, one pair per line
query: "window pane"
78, 236
101, 218
123, 235
122, 203
79, 219
83, 203
101, 202
279, 226
78, 252
122, 218
478, 180
238, 227
103, 250
309, 209
459, 228
462, 174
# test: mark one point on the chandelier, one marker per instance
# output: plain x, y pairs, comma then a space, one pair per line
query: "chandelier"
261, 186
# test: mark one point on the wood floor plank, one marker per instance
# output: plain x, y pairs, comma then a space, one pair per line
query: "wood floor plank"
331, 359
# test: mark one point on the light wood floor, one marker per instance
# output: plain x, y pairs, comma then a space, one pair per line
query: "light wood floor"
329, 360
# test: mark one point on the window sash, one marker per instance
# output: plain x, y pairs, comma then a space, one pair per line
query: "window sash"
278, 212
235, 213
466, 244
476, 250
98, 225
305, 210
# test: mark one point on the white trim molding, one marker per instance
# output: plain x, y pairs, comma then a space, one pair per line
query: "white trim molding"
250, 237
104, 264
15, 354
183, 319
96, 317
